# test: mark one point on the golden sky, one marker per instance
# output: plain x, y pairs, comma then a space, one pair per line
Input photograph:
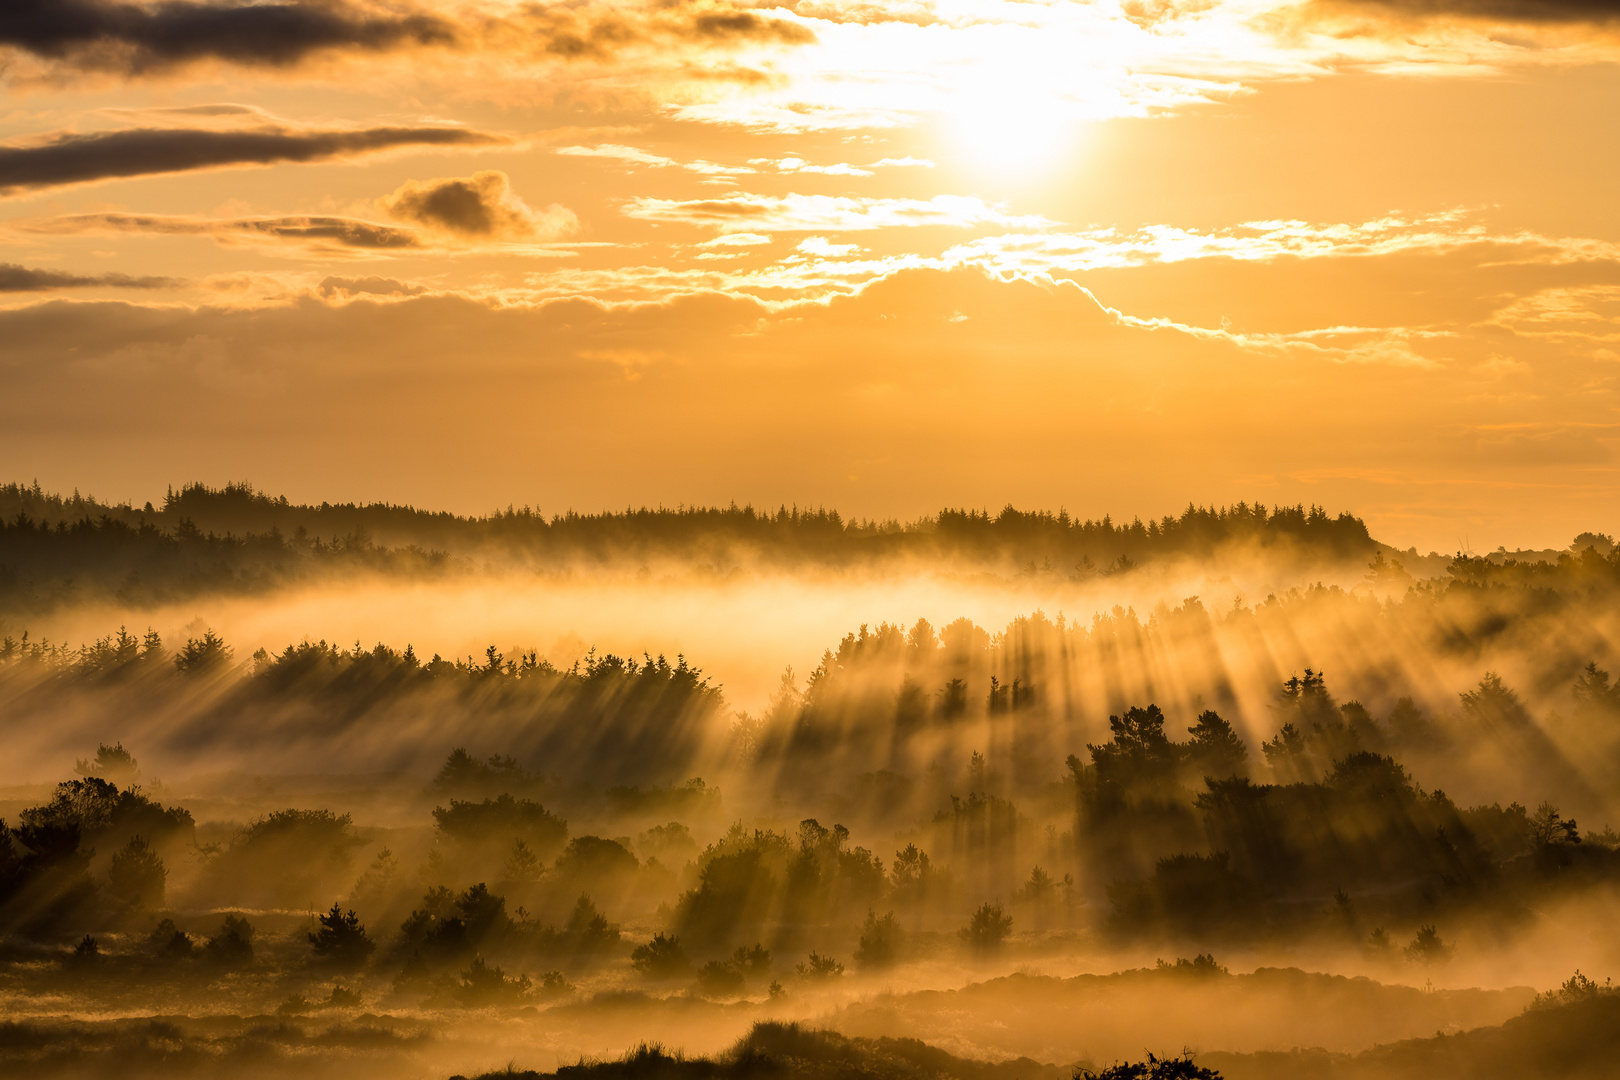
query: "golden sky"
1108, 256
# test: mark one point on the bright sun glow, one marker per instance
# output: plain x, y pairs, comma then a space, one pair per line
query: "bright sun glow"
1007, 135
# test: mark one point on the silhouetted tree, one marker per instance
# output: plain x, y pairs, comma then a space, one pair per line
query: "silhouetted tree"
112, 763
1549, 829
341, 938
87, 951
137, 876
1215, 749
987, 928
753, 961
880, 941
588, 931
1427, 948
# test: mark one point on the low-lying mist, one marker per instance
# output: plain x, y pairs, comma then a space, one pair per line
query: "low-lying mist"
1242, 782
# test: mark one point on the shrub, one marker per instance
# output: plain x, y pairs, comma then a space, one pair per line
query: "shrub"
1202, 965
286, 857
987, 928
1154, 1068
485, 985
820, 967
553, 985
719, 978
294, 1004
505, 818
595, 860
233, 945
880, 941
661, 958
342, 998
170, 941
752, 960
1575, 988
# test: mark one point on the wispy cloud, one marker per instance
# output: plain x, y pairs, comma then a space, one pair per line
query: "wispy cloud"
316, 233
1259, 241
799, 165
65, 158
15, 278
827, 213
635, 156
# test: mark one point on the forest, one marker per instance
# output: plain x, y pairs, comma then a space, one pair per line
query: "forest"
55, 550
1359, 828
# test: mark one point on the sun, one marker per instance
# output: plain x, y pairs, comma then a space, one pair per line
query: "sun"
1006, 133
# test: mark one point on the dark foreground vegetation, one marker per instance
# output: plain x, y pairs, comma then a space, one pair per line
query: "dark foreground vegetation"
1571, 1042
789, 1050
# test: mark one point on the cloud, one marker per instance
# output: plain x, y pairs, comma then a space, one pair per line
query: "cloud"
825, 213
748, 26
145, 38
323, 234
576, 34
631, 154
481, 206
14, 278
746, 239
636, 156
793, 164
1499, 11
820, 245
447, 214
67, 158
747, 391
337, 288
1264, 241
133, 38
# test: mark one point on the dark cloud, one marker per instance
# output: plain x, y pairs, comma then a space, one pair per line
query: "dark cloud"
76, 159
320, 232
595, 36
573, 37
336, 287
1501, 11
747, 26
862, 12
481, 206
134, 38
14, 278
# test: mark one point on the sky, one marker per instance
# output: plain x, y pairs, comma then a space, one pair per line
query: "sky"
884, 257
